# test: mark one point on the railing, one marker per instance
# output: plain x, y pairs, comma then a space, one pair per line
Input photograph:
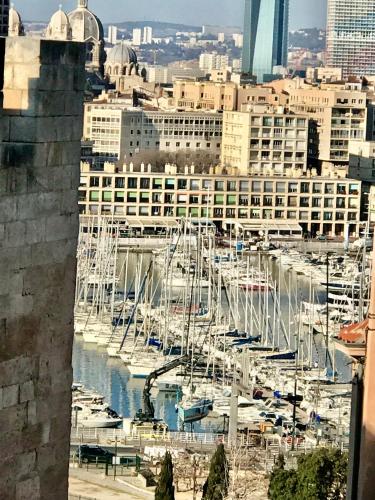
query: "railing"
83, 435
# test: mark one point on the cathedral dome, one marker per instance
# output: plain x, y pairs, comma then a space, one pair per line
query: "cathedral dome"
84, 24
122, 54
15, 23
59, 27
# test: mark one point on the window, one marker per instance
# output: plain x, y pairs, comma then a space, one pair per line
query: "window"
181, 211
231, 199
219, 199
280, 201
194, 184
327, 216
293, 187
119, 182
169, 183
268, 187
132, 183
157, 184
144, 197
244, 186
280, 187
231, 186
256, 186
219, 185
145, 183
132, 197
94, 181
94, 195
316, 202
328, 203
317, 187
107, 181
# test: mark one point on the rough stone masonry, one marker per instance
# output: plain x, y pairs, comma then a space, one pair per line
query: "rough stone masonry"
40, 133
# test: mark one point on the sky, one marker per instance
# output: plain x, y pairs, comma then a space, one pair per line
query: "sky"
303, 13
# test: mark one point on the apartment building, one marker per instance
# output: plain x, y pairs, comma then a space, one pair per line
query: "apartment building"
213, 61
340, 114
205, 95
118, 131
264, 137
318, 204
351, 36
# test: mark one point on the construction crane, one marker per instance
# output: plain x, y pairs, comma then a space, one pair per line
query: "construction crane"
148, 412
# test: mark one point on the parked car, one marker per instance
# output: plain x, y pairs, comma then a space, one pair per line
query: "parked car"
87, 453
321, 237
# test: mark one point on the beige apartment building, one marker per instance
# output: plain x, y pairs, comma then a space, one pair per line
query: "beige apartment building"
264, 137
119, 131
340, 113
317, 204
217, 96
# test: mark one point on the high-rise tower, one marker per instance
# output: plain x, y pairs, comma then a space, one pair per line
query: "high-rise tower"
351, 36
265, 42
4, 13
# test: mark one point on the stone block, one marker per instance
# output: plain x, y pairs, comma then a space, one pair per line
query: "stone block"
35, 230
8, 209
27, 391
15, 234
10, 395
28, 489
23, 155
19, 50
37, 129
25, 464
18, 370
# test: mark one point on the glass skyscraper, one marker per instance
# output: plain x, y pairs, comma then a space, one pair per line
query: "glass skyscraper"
265, 37
4, 13
351, 36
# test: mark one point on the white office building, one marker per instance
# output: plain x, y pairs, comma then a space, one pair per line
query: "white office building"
137, 37
147, 35
351, 36
112, 34
213, 61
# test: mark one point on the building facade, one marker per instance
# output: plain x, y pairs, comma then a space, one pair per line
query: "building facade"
137, 37
213, 61
351, 36
147, 35
123, 133
264, 138
41, 129
205, 95
318, 204
265, 43
340, 114
4, 13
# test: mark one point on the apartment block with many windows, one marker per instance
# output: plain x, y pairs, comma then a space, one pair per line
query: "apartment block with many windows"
125, 132
340, 114
317, 204
264, 137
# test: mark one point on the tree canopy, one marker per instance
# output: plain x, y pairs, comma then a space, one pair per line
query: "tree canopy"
216, 485
320, 475
165, 489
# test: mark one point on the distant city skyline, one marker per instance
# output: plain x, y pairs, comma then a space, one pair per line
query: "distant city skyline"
303, 13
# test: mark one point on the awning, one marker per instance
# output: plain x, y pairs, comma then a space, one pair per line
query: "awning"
264, 225
155, 222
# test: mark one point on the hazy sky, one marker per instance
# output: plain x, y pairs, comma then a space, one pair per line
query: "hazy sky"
303, 13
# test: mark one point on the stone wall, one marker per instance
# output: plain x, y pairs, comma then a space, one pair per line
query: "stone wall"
40, 132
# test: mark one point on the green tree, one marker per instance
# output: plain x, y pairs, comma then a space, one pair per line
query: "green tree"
165, 489
216, 485
320, 475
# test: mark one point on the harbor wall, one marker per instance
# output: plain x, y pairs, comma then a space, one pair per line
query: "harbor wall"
40, 133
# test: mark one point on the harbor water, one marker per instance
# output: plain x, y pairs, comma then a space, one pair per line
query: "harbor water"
109, 376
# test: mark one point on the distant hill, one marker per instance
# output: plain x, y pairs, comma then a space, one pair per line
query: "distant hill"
158, 27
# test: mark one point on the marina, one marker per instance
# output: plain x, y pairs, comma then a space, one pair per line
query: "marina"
195, 337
